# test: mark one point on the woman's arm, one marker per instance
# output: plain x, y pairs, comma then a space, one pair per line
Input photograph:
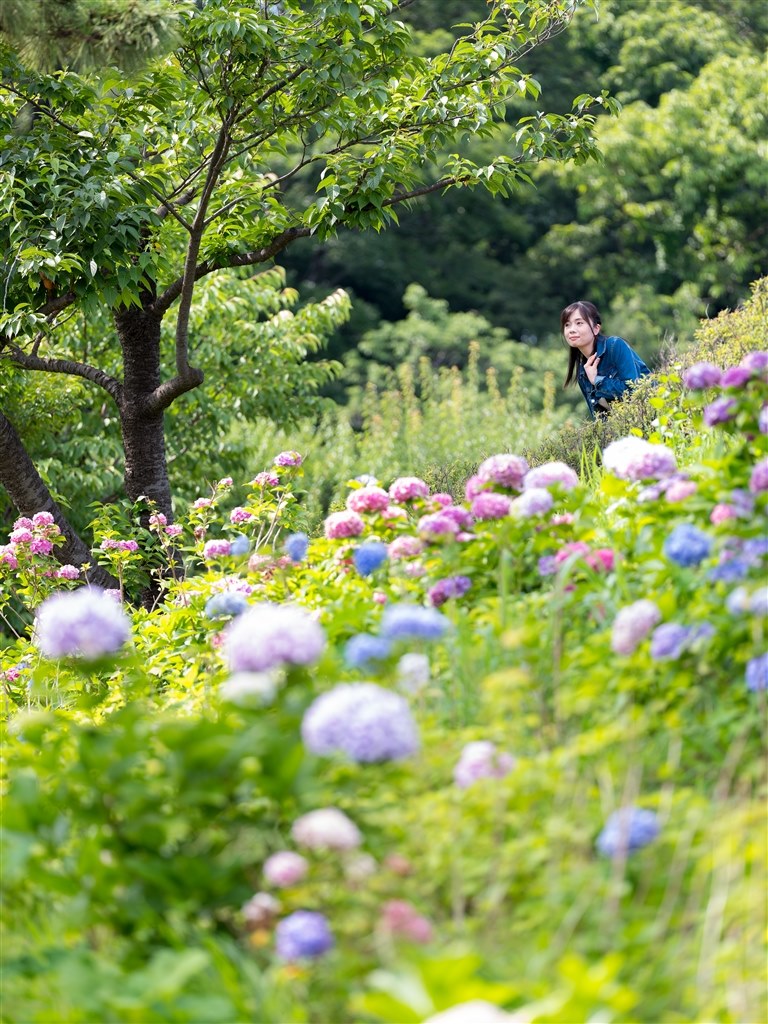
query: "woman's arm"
619, 368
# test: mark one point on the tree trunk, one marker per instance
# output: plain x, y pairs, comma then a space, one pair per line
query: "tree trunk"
146, 468
29, 494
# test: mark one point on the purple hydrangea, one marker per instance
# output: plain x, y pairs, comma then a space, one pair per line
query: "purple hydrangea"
81, 623
304, 934
363, 648
551, 474
547, 565
401, 621
735, 377
229, 603
289, 458
668, 641
758, 480
632, 625
504, 470
702, 375
632, 458
370, 556
627, 830
438, 525
762, 420
296, 546
489, 505
757, 673
481, 760
450, 586
459, 515
474, 486
536, 501
362, 720
687, 545
756, 362
269, 635
721, 410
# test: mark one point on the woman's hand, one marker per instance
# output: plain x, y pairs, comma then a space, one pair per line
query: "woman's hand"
590, 367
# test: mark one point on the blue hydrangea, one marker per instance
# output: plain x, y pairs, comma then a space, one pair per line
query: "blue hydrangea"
240, 545
411, 620
755, 549
669, 641
757, 673
729, 571
303, 934
296, 546
362, 720
369, 556
364, 648
627, 830
687, 545
228, 603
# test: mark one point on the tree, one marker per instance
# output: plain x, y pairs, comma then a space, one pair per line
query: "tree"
122, 195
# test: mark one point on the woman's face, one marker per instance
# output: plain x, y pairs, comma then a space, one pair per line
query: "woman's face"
580, 332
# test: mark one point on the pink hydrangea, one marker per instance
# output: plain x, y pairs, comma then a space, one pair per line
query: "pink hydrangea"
490, 505
406, 488
460, 516
634, 459
368, 499
437, 525
632, 625
240, 515
285, 868
266, 479
563, 519
722, 512
226, 481
68, 572
327, 828
202, 503
601, 560
551, 474
289, 458
404, 547
758, 480
42, 519
577, 547
504, 470
393, 514
216, 549
22, 535
157, 519
474, 486
8, 556
401, 919
23, 523
40, 546
174, 530
110, 544
343, 524
679, 490
441, 499
481, 760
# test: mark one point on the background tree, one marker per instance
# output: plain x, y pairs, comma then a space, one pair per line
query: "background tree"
122, 197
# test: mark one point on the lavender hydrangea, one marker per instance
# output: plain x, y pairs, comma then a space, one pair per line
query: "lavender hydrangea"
627, 830
285, 868
489, 505
240, 545
551, 474
632, 625
702, 375
758, 480
370, 556
450, 586
269, 635
81, 623
296, 546
289, 458
536, 501
504, 470
362, 720
669, 641
757, 673
632, 458
437, 526
410, 620
687, 545
481, 760
326, 828
304, 934
721, 410
363, 648
229, 603
735, 377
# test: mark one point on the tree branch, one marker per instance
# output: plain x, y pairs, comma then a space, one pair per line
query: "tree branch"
29, 494
111, 385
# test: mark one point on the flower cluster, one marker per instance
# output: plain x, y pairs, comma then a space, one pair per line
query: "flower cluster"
481, 760
632, 625
270, 635
327, 828
303, 934
363, 721
634, 459
450, 586
627, 830
83, 624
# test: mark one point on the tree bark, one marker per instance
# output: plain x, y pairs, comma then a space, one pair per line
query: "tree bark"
29, 494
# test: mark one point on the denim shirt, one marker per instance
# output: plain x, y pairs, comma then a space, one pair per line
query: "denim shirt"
619, 365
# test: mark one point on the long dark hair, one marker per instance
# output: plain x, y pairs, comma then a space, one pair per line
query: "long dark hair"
591, 314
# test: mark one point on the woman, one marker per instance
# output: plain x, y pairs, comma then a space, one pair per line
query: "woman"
603, 367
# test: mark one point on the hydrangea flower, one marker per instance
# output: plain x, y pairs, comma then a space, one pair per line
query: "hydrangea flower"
370, 556
459, 515
216, 549
721, 410
405, 547
226, 604
702, 375
442, 499
687, 545
757, 673
632, 458
450, 586
363, 648
363, 721
8, 556
285, 868
551, 474
679, 490
536, 501
762, 420
265, 479
289, 458
296, 546
489, 505
474, 486
504, 470
81, 624
270, 635
756, 362
668, 641
601, 559
240, 545
406, 488
260, 911
400, 918
437, 525
758, 480
413, 672
368, 499
473, 1011
42, 519
343, 524
627, 830
304, 934
68, 572
411, 620
735, 377
250, 689
240, 515
327, 828
721, 513
481, 760
632, 625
